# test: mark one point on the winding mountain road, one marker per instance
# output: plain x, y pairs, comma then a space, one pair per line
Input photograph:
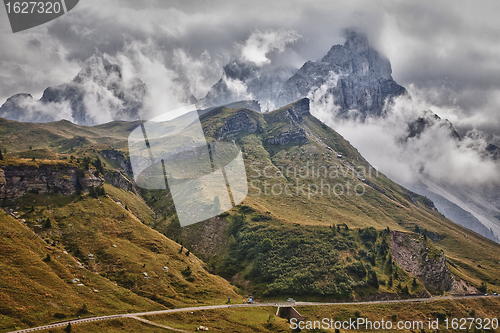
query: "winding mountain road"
137, 315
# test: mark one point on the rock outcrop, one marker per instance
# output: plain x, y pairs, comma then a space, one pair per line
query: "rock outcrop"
288, 122
415, 257
241, 120
119, 180
18, 180
119, 158
294, 135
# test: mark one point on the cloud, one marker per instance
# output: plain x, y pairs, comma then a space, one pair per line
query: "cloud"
44, 112
260, 43
434, 154
146, 61
199, 73
32, 61
449, 51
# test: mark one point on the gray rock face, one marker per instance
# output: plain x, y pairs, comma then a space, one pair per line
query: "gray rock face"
89, 180
119, 180
428, 119
290, 117
22, 107
247, 81
296, 111
493, 152
119, 158
104, 81
415, 258
237, 123
355, 74
16, 181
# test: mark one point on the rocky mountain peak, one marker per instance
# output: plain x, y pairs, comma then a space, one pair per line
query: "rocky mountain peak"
357, 57
355, 74
363, 80
356, 41
98, 94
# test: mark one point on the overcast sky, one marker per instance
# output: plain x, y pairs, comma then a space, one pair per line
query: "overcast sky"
449, 50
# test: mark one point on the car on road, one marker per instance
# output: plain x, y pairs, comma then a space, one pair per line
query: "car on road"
290, 300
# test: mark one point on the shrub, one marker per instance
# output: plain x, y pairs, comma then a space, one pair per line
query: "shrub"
83, 310
237, 222
357, 268
266, 245
373, 279
369, 235
441, 315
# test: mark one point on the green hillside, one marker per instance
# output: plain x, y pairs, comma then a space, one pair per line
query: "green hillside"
316, 224
304, 214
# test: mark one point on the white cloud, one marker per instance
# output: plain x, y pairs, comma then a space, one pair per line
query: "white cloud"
434, 153
260, 43
146, 61
198, 72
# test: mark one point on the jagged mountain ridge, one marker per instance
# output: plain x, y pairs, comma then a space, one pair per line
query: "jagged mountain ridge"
243, 80
355, 74
98, 94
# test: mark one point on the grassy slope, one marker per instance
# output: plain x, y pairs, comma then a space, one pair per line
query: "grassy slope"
32, 290
82, 226
112, 326
385, 203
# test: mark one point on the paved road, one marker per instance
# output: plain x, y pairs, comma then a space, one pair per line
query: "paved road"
224, 306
